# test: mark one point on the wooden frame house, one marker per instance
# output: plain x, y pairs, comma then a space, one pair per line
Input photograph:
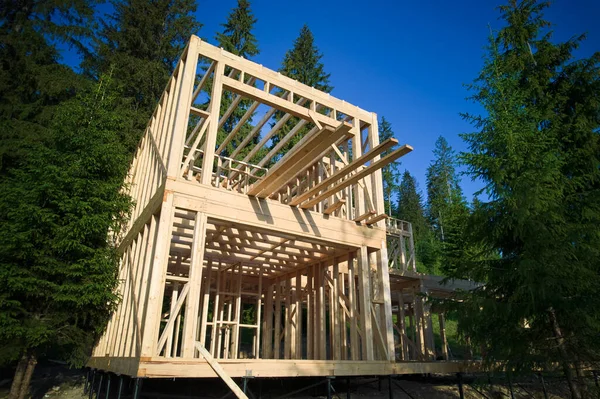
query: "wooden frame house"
270, 259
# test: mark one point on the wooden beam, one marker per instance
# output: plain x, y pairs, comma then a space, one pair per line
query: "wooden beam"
364, 216
220, 372
405, 149
376, 219
334, 207
211, 135
351, 167
294, 161
237, 127
275, 101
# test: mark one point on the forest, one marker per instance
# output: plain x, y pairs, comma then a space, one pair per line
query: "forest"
531, 235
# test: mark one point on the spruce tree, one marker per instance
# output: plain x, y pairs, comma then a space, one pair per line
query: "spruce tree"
410, 209
237, 38
447, 209
139, 44
537, 150
58, 268
32, 82
302, 63
391, 173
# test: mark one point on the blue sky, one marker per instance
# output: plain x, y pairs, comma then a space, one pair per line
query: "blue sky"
405, 60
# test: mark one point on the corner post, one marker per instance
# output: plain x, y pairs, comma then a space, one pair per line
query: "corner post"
213, 120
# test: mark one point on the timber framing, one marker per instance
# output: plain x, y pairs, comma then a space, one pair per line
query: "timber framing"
264, 248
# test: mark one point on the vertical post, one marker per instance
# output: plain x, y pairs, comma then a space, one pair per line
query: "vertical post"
359, 199
190, 325
390, 388
91, 387
383, 275
137, 388
329, 387
347, 387
321, 331
543, 385
213, 120
354, 349
277, 343
443, 335
460, 386
336, 343
187, 77
107, 386
87, 382
120, 387
364, 282
100, 386
157, 278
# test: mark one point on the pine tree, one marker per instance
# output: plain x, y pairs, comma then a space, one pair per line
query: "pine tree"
537, 150
57, 266
391, 173
237, 38
139, 45
410, 208
302, 63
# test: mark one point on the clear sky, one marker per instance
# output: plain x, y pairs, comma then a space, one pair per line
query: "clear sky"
405, 60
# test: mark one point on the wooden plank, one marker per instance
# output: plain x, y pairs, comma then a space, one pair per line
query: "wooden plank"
200, 112
163, 338
274, 101
252, 213
157, 277
220, 372
190, 327
340, 173
282, 81
213, 127
334, 207
205, 303
249, 112
182, 110
442, 321
354, 344
277, 344
364, 301
301, 155
405, 149
375, 219
364, 216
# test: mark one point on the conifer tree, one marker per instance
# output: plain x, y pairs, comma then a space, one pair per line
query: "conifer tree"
57, 265
447, 209
391, 173
139, 45
410, 208
537, 150
302, 63
32, 82
237, 38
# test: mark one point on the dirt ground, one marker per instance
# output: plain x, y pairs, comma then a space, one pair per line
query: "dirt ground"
61, 383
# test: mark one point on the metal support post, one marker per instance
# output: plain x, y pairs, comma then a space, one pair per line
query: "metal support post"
460, 386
